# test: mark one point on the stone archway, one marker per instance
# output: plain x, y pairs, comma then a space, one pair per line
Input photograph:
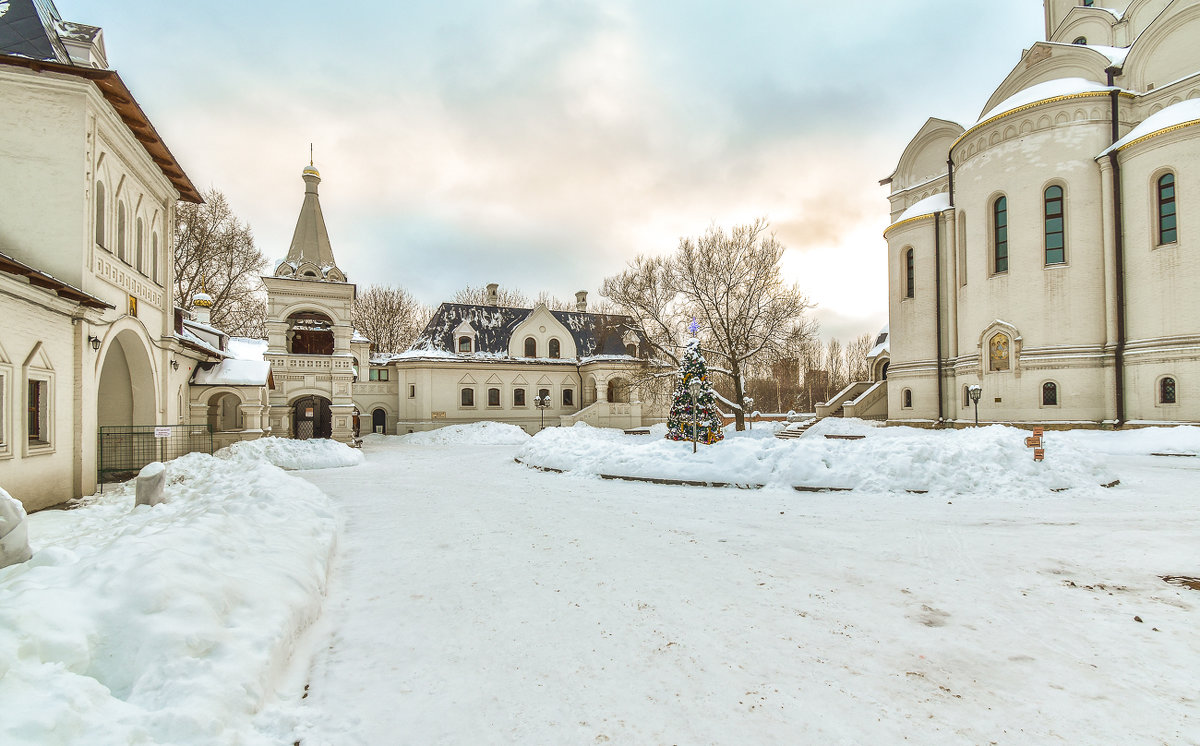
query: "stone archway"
379, 421
224, 413
618, 390
311, 418
126, 394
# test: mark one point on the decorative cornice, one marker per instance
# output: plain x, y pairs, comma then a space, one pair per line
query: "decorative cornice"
1027, 107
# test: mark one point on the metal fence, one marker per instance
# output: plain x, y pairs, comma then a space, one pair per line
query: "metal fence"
125, 449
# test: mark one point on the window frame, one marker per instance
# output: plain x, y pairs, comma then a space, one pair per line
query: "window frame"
910, 274
999, 234
101, 223
44, 442
5, 441
493, 394
554, 348
568, 397
530, 347
1160, 203
1047, 233
469, 344
139, 249
1161, 390
121, 252
906, 399
464, 394
519, 399
412, 391
1050, 386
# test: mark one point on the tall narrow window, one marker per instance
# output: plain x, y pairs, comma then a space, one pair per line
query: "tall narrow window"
154, 257
555, 348
1000, 235
568, 397
518, 397
467, 397
1166, 391
137, 250
464, 344
37, 412
910, 276
100, 213
121, 232
1055, 251
493, 397
906, 400
1049, 394
530, 347
1166, 210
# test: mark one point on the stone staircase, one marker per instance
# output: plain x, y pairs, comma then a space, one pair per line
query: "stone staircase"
791, 433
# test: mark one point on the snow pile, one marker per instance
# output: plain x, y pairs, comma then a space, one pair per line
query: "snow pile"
286, 453
1136, 442
14, 532
171, 624
988, 460
475, 433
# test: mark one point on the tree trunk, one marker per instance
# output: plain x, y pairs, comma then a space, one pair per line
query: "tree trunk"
739, 396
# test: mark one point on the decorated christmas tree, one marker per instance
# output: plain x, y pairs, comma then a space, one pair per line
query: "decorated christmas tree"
704, 420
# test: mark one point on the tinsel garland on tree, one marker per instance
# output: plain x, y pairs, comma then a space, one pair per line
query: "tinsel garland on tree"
708, 421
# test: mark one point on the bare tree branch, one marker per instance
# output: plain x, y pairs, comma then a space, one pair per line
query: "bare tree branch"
389, 316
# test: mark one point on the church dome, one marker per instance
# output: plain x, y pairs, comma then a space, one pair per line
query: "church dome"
311, 170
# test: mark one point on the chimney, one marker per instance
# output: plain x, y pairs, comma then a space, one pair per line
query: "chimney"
493, 297
581, 301
202, 308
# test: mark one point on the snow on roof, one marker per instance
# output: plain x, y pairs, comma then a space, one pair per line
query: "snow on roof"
233, 373
358, 336
883, 343
192, 339
246, 348
1176, 115
1042, 91
927, 206
1115, 55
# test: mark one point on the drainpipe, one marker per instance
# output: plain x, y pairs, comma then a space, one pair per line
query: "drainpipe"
937, 309
950, 175
1119, 246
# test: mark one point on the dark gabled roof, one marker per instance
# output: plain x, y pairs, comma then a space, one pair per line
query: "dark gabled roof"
593, 333
27, 30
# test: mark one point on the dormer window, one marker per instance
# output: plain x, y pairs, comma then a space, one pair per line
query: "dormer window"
530, 347
464, 344
555, 349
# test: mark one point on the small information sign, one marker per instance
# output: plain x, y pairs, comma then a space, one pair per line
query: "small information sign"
162, 432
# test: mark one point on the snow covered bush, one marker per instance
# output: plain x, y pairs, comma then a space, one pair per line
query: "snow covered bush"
991, 460
286, 453
171, 624
475, 433
14, 542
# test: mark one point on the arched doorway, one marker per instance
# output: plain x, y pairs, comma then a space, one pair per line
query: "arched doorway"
223, 412
126, 394
379, 421
618, 391
883, 371
311, 418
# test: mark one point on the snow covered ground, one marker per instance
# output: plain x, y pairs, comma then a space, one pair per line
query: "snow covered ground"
475, 600
478, 601
168, 624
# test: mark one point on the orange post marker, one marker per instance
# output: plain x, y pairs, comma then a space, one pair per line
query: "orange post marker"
1039, 454
1033, 442
1038, 432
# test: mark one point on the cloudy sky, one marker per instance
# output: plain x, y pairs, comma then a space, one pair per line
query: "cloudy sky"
543, 144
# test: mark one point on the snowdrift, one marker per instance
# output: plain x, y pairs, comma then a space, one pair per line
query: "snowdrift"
475, 434
317, 453
165, 624
987, 460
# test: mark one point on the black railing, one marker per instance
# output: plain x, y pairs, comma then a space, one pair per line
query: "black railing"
125, 449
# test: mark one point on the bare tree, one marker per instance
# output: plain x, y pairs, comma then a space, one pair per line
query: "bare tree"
835, 363
389, 316
215, 252
508, 297
732, 284
856, 357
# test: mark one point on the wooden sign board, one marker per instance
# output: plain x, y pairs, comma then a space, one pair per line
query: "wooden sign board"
437, 415
1033, 442
1039, 454
1038, 432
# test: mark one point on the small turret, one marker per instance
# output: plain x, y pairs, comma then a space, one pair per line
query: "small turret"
493, 294
581, 301
202, 308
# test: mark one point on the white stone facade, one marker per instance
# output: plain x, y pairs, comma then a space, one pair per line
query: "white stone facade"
1030, 277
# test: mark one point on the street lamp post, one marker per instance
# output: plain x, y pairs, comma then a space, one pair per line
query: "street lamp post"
694, 390
975, 391
542, 403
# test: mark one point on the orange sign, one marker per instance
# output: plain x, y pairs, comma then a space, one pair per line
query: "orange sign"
1033, 442
1039, 454
1037, 432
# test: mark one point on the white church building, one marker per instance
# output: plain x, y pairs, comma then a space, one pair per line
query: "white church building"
1045, 252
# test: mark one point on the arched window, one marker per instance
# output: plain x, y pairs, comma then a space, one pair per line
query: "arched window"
1049, 394
530, 347
1080, 39
998, 352
121, 232
1000, 235
154, 257
310, 333
631, 350
1055, 247
100, 213
493, 397
464, 344
966, 396
555, 349
467, 397
1167, 232
568, 397
545, 394
518, 397
137, 247
910, 276
1166, 391
906, 399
